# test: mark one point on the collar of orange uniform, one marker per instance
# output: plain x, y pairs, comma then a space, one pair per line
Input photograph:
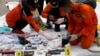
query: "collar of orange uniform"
80, 15
76, 10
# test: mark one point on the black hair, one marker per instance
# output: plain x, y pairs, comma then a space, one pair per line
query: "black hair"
26, 8
64, 3
61, 3
30, 2
55, 2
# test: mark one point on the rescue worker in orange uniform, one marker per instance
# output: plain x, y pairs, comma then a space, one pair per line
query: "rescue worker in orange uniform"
53, 12
21, 15
82, 20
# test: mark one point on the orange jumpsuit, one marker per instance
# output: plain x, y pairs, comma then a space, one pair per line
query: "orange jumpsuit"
14, 15
48, 8
83, 20
57, 13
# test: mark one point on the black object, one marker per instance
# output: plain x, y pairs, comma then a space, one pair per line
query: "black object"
23, 41
57, 28
96, 33
61, 50
65, 40
90, 2
52, 52
55, 52
48, 24
28, 53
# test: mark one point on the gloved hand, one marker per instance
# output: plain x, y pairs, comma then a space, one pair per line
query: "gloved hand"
73, 37
47, 36
59, 20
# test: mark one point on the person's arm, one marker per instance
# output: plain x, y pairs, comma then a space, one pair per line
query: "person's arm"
31, 21
46, 10
71, 24
37, 29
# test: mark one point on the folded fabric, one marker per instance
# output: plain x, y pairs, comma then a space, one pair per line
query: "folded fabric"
4, 29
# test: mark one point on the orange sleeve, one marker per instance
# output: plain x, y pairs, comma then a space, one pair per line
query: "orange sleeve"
32, 22
46, 10
71, 23
62, 13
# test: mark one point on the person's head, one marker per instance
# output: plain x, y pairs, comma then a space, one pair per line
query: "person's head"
55, 3
66, 5
31, 4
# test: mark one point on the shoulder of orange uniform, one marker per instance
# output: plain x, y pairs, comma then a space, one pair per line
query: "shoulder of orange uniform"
46, 10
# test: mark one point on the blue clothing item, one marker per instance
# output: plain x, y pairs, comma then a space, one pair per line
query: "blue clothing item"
5, 29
